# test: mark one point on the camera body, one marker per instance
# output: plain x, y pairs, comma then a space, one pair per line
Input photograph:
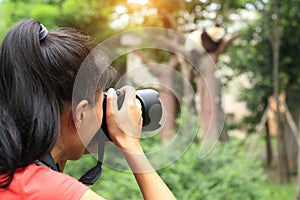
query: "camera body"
151, 110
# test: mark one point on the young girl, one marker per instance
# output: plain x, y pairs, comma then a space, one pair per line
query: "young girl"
38, 70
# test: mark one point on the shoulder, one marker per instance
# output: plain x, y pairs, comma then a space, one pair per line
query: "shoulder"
90, 195
39, 182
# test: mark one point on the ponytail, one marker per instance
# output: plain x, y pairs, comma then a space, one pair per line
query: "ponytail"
31, 125
10, 145
37, 73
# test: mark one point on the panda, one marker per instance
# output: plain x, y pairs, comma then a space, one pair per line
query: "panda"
200, 42
209, 38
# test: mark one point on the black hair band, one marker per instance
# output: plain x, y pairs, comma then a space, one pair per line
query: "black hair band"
43, 32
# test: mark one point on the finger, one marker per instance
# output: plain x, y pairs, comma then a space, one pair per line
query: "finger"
138, 104
129, 94
111, 101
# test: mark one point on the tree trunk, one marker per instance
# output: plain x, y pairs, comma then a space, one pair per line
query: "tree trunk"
188, 96
211, 114
292, 147
164, 73
298, 171
269, 151
283, 169
168, 103
209, 96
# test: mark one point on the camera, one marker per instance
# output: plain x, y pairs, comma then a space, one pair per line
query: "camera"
151, 110
151, 113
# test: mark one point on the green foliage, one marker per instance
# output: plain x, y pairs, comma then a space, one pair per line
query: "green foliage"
220, 175
81, 8
91, 16
225, 173
112, 184
254, 57
13, 11
279, 192
45, 13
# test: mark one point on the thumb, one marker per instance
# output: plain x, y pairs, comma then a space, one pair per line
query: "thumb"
129, 95
112, 100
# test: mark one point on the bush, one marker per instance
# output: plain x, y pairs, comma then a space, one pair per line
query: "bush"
112, 184
224, 174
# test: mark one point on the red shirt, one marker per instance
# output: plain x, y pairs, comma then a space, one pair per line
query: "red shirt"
39, 182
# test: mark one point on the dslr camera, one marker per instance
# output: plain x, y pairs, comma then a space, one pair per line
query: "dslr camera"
151, 113
151, 110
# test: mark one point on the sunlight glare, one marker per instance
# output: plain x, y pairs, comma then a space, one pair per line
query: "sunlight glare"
141, 2
121, 9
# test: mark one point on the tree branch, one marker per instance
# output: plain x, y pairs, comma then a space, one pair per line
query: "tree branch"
152, 65
143, 57
225, 44
168, 19
173, 61
172, 46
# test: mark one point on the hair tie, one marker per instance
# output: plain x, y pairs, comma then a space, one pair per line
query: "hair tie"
43, 32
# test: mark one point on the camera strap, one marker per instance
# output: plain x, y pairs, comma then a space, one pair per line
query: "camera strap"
91, 176
48, 162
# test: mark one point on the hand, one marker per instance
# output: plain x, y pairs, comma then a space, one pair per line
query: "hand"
124, 125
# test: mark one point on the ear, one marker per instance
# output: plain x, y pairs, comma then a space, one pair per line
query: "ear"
80, 113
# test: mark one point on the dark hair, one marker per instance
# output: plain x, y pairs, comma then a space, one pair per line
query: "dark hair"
36, 82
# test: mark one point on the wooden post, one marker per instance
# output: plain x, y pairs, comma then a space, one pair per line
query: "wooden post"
298, 170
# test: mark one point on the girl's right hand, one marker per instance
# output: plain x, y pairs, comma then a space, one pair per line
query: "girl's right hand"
124, 125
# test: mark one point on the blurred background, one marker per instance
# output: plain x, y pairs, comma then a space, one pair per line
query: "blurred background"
253, 48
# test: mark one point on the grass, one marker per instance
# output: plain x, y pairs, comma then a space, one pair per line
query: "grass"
273, 191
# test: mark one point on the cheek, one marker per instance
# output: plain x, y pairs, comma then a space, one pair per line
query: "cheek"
99, 109
99, 115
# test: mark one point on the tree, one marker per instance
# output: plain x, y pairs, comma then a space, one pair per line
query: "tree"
92, 17
186, 17
258, 51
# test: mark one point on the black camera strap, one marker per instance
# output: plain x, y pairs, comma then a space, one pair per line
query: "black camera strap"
47, 161
91, 176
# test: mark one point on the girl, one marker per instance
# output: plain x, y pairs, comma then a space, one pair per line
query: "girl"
38, 70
